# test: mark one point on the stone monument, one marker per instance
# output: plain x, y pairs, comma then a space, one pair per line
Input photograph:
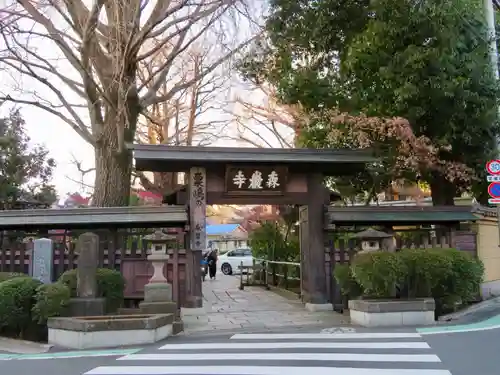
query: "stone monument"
87, 303
158, 291
42, 260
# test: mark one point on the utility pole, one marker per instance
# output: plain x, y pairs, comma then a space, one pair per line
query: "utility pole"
489, 12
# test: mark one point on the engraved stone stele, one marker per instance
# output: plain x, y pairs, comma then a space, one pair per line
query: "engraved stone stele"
86, 279
158, 289
42, 260
87, 303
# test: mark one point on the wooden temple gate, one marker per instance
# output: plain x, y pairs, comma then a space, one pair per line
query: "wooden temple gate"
250, 176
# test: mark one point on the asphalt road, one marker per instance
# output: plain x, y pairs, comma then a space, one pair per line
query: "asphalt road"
361, 353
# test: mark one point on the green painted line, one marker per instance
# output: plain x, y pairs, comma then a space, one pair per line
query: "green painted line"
73, 354
485, 325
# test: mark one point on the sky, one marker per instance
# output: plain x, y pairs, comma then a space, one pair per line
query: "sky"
63, 143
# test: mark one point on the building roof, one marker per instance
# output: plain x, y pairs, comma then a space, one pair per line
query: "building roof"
94, 217
369, 215
165, 158
221, 229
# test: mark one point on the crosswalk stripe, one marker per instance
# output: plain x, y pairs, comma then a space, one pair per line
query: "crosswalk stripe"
255, 370
298, 345
325, 336
357, 357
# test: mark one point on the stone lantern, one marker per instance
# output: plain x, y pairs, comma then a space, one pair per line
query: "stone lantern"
158, 289
371, 239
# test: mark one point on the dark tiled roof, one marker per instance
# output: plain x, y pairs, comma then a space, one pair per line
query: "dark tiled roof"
370, 215
164, 158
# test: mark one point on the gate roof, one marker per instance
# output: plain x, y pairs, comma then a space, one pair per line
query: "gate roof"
165, 158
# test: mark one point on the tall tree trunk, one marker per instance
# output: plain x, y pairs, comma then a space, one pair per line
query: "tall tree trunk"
443, 191
113, 172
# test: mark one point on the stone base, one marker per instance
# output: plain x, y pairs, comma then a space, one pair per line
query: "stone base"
157, 292
314, 307
197, 311
158, 307
177, 327
374, 313
87, 306
109, 331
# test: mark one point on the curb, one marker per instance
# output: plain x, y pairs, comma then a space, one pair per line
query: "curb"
487, 305
70, 354
22, 346
280, 329
485, 325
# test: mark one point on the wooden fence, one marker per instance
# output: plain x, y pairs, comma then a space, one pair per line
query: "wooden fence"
124, 250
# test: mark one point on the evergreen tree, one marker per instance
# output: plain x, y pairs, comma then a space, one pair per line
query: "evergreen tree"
25, 170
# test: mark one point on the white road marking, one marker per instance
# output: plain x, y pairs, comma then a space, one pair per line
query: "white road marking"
255, 370
297, 345
325, 336
356, 357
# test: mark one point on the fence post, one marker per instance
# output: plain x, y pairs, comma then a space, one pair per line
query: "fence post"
266, 273
275, 281
241, 276
285, 276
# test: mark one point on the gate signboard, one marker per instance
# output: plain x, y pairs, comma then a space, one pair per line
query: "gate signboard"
256, 180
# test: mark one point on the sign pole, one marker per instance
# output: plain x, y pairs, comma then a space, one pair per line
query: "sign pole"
493, 169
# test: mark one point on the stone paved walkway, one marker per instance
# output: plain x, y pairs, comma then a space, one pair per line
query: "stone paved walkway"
228, 308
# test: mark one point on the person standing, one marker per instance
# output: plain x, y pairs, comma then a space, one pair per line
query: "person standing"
212, 263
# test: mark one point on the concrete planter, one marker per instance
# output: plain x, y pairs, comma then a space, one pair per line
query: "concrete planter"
109, 331
385, 313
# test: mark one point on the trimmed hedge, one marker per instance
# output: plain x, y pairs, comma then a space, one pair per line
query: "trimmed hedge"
426, 269
16, 298
450, 276
378, 273
110, 285
50, 300
348, 285
10, 275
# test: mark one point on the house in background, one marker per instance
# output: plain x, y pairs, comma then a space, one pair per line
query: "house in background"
225, 237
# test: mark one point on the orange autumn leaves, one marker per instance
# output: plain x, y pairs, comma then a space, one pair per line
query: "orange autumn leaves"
393, 140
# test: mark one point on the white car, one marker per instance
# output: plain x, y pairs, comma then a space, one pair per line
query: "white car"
230, 261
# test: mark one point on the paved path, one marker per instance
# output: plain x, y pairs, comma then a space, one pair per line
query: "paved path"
228, 308
291, 354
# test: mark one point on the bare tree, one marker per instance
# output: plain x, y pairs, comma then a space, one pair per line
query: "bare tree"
83, 63
83, 172
262, 121
193, 117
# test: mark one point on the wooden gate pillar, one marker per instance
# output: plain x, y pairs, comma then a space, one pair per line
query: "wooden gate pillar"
197, 188
312, 248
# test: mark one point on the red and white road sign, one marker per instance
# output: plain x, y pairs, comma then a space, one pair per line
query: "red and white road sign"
493, 167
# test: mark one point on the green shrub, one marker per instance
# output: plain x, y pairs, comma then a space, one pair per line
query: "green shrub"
16, 298
426, 269
110, 285
348, 285
462, 284
379, 273
50, 300
449, 276
10, 275
68, 278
